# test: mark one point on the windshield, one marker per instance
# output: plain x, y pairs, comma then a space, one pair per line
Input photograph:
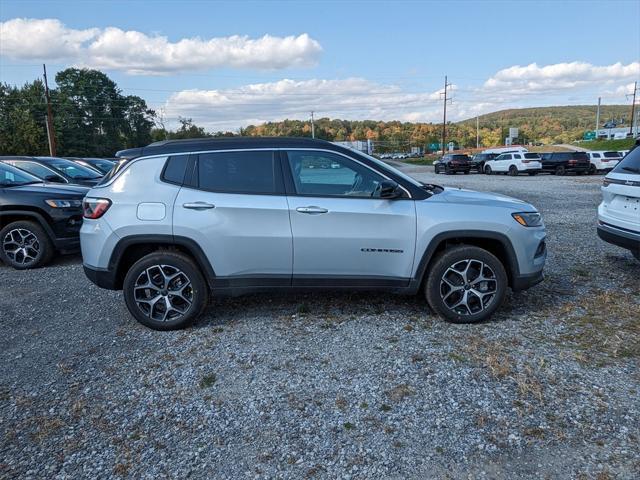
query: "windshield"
12, 176
389, 168
69, 168
630, 163
101, 164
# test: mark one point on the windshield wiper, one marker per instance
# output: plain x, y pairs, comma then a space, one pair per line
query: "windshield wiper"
631, 169
19, 184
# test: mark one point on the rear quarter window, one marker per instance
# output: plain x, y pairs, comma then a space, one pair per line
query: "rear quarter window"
175, 168
630, 164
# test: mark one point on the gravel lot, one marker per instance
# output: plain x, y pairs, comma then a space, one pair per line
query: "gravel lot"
335, 385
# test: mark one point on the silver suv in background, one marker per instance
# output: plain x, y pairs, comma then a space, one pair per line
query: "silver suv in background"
183, 219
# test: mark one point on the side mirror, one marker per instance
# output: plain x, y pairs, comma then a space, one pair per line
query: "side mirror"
53, 179
389, 189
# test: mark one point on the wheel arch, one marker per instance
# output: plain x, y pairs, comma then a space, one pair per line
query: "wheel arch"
10, 216
495, 242
130, 249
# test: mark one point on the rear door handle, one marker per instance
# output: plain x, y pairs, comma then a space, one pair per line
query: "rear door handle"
311, 210
198, 205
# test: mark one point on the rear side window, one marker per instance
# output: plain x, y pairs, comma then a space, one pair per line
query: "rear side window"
252, 172
580, 156
531, 155
611, 155
630, 163
175, 169
517, 156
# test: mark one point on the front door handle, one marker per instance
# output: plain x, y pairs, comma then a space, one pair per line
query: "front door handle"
198, 205
311, 210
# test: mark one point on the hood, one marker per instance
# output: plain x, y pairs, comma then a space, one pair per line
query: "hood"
470, 197
75, 191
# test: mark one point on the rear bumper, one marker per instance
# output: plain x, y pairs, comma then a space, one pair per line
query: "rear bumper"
620, 237
101, 277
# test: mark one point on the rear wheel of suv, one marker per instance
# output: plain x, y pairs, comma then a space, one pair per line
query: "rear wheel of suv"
24, 244
592, 169
165, 290
466, 284
560, 170
513, 171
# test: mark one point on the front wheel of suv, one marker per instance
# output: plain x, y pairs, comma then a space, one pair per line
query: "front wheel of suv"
466, 284
165, 290
487, 170
24, 244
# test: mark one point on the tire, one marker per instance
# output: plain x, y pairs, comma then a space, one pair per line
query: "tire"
532, 174
436, 169
24, 244
513, 171
448, 171
467, 172
487, 170
561, 171
184, 277
592, 169
447, 267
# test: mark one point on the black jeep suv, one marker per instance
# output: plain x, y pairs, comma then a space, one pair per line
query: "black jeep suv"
453, 163
37, 219
477, 161
562, 163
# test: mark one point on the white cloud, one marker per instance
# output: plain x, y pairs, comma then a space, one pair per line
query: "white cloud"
138, 53
352, 98
559, 76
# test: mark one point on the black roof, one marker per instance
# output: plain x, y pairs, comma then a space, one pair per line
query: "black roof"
232, 143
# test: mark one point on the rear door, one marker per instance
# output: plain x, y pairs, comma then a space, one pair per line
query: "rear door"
235, 208
343, 232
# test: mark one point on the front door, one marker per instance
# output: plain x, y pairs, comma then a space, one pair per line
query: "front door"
236, 210
343, 232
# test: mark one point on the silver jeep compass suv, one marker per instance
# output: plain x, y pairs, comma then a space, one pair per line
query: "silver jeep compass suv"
179, 220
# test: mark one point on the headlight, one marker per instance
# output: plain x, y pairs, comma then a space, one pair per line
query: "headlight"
528, 219
64, 203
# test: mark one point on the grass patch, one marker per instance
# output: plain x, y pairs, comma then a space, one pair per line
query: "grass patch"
604, 323
348, 426
207, 381
622, 144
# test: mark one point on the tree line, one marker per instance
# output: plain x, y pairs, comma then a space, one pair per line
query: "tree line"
92, 117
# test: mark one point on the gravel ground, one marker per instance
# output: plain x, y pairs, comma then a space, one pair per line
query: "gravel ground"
334, 385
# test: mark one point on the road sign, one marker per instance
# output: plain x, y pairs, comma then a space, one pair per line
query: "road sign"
589, 135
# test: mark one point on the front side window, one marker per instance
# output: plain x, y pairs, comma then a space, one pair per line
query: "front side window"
36, 169
72, 169
251, 172
328, 174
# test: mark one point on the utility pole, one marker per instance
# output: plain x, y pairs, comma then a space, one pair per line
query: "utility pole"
633, 107
598, 118
477, 131
51, 134
313, 128
444, 114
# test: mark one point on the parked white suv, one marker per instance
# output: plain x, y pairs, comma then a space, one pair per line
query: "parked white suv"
619, 212
602, 161
183, 218
514, 163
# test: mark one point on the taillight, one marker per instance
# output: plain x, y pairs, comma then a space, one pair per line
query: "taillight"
526, 161
95, 207
572, 162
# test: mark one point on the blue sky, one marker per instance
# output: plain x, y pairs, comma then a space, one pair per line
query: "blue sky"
349, 59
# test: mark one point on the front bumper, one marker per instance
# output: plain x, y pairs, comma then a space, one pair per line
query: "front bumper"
620, 237
522, 282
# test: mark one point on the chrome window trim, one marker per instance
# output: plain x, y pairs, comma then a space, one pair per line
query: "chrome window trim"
272, 149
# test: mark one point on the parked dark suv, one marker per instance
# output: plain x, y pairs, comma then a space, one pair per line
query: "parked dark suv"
562, 163
36, 218
453, 163
477, 161
57, 170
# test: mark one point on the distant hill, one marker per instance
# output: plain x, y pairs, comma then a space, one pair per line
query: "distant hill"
540, 124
